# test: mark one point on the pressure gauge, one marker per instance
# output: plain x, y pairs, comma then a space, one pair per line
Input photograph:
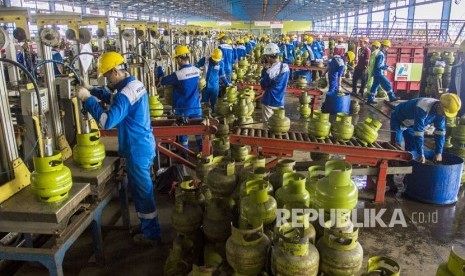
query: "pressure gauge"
128, 35
50, 37
84, 36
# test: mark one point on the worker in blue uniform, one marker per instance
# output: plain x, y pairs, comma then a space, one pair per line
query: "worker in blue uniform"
227, 51
306, 48
287, 51
409, 119
252, 42
212, 72
275, 76
235, 57
295, 42
186, 97
335, 70
129, 113
248, 46
378, 74
240, 49
56, 56
318, 47
457, 81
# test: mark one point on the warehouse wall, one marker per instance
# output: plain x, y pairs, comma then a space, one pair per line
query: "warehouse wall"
288, 26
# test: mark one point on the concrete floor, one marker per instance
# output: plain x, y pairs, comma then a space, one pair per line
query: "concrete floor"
419, 247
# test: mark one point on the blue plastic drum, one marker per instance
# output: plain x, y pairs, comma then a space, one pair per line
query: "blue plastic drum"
435, 183
334, 104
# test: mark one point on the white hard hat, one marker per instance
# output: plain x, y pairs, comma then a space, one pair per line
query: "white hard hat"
271, 49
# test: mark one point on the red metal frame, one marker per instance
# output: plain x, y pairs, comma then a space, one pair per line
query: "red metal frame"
374, 157
290, 89
166, 131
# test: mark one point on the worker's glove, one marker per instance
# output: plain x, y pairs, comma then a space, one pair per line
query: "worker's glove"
438, 158
82, 94
390, 69
422, 159
87, 86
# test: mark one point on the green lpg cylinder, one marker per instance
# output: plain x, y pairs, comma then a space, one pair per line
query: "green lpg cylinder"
293, 191
354, 107
340, 253
88, 152
435, 57
257, 207
181, 257
222, 179
231, 94
293, 255
455, 264
314, 174
202, 271
254, 161
156, 107
223, 128
217, 220
214, 254
305, 98
302, 221
246, 250
240, 74
187, 214
305, 111
448, 57
382, 266
223, 107
239, 152
278, 122
337, 191
241, 109
204, 166
221, 145
319, 126
51, 180
283, 166
259, 174
342, 129
450, 125
367, 132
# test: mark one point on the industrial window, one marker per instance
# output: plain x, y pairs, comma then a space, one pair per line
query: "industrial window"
431, 11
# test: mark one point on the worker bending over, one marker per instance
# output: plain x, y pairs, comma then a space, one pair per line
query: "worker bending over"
378, 74
275, 76
186, 97
409, 119
335, 71
129, 112
212, 72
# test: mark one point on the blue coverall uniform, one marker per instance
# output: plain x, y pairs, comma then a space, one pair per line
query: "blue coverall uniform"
228, 60
311, 57
288, 52
409, 119
129, 113
248, 47
253, 44
274, 82
235, 59
212, 73
186, 97
241, 51
56, 56
317, 50
380, 79
457, 84
335, 71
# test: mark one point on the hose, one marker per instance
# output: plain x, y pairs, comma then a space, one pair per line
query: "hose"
76, 76
76, 57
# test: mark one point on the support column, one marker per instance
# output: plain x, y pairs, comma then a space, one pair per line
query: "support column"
338, 22
346, 22
6, 3
410, 16
369, 17
445, 17
356, 20
386, 19
51, 5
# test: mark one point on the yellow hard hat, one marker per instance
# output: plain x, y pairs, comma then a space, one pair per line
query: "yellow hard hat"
340, 39
221, 35
217, 55
309, 39
241, 41
238, 40
181, 50
108, 61
462, 47
294, 36
376, 43
246, 39
364, 39
350, 55
386, 43
305, 36
286, 38
228, 41
451, 104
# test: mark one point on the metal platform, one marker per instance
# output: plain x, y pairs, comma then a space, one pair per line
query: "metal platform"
98, 177
376, 154
24, 212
